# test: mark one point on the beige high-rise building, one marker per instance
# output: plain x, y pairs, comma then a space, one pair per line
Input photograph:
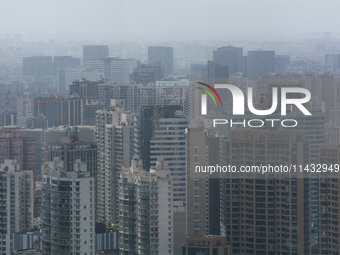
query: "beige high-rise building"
202, 191
266, 215
148, 216
16, 202
328, 191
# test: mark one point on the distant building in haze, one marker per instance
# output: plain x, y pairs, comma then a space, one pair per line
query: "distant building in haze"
164, 55
94, 52
38, 66
65, 61
229, 56
332, 62
281, 63
69, 149
8, 118
145, 74
260, 62
118, 70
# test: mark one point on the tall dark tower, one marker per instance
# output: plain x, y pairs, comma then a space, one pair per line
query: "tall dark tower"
164, 55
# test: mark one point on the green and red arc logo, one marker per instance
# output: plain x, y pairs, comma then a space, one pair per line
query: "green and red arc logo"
209, 93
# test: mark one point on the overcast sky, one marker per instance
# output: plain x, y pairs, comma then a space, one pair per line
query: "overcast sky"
171, 19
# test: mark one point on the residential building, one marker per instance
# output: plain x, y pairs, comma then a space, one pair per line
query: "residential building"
52, 135
137, 95
134, 208
68, 209
60, 110
85, 88
69, 149
162, 229
16, 202
179, 226
145, 124
38, 134
66, 76
146, 223
8, 118
168, 143
314, 126
332, 133
264, 214
13, 145
24, 109
114, 137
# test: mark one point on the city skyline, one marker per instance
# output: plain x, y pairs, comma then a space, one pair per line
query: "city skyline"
241, 18
169, 127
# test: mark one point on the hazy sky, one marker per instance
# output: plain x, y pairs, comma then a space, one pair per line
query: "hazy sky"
180, 20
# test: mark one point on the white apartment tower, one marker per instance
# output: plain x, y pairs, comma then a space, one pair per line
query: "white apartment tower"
114, 136
146, 210
161, 210
68, 209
